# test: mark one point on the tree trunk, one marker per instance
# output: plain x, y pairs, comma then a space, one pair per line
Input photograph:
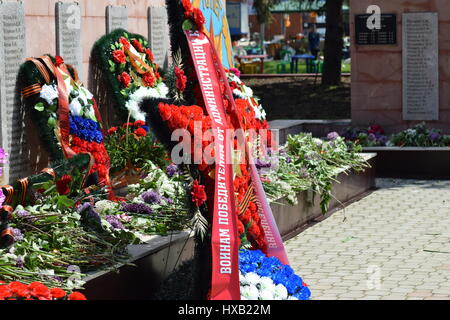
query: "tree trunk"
333, 43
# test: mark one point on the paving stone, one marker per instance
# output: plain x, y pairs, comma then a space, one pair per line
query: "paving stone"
391, 228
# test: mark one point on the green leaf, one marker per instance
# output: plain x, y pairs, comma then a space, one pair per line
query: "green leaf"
187, 24
39, 106
64, 202
51, 122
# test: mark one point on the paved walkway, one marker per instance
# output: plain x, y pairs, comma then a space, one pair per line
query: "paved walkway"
393, 244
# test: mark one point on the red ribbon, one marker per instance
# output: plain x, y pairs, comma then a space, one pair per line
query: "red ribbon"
225, 261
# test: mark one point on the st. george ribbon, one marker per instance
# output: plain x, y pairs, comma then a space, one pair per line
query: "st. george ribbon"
225, 263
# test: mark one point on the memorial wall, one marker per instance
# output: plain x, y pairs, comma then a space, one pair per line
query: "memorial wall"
401, 73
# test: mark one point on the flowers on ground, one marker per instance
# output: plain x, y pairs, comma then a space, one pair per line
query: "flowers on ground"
35, 291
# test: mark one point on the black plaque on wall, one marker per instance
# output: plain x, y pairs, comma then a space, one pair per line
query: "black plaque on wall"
386, 35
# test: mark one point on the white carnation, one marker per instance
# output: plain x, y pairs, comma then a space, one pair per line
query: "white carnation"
49, 93
267, 283
250, 292
103, 206
239, 93
281, 292
266, 295
75, 107
252, 278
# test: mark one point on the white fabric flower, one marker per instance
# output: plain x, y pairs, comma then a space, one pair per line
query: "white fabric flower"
135, 99
266, 295
239, 93
90, 113
281, 292
75, 107
252, 278
49, 93
267, 284
250, 292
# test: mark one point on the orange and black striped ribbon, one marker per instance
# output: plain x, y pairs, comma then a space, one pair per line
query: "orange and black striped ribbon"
6, 212
8, 191
248, 197
24, 185
50, 172
31, 90
40, 66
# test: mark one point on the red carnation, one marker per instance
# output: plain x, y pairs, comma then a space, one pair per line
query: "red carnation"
198, 18
149, 54
137, 45
76, 296
59, 61
149, 79
40, 291
140, 132
241, 227
187, 5
198, 194
63, 184
125, 79
125, 43
18, 289
165, 111
119, 56
57, 293
139, 123
128, 124
181, 79
111, 131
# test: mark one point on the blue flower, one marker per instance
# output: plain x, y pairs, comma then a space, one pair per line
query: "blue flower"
146, 128
85, 129
303, 294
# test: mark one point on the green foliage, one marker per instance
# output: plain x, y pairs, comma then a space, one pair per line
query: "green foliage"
307, 163
420, 136
127, 150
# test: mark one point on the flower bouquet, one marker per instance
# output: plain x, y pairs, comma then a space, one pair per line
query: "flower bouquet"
125, 73
65, 113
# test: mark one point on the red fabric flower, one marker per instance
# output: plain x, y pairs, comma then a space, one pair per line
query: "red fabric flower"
18, 289
198, 194
40, 291
187, 5
149, 54
198, 18
149, 79
119, 56
180, 78
76, 296
128, 124
140, 132
125, 43
59, 61
139, 123
137, 45
63, 185
57, 293
111, 131
165, 111
125, 79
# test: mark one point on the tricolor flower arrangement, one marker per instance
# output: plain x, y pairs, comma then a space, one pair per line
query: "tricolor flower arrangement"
131, 63
70, 129
266, 278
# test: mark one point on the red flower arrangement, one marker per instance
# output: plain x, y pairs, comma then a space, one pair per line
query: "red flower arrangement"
198, 194
125, 43
137, 45
149, 79
59, 61
180, 79
98, 151
149, 54
140, 132
125, 79
193, 14
119, 56
35, 291
111, 131
63, 185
